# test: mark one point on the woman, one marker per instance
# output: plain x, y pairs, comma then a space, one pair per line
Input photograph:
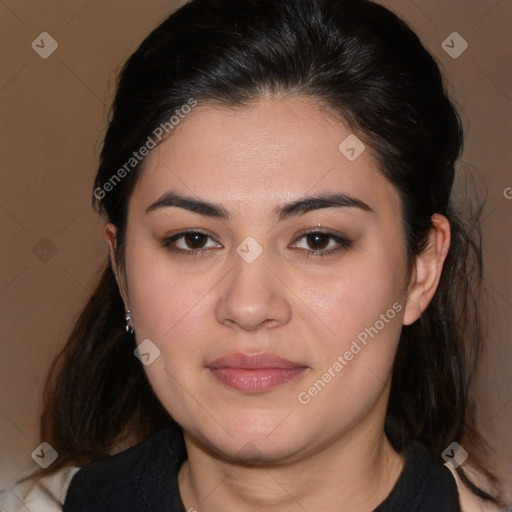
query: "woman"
287, 268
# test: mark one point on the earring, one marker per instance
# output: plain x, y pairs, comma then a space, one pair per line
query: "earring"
128, 320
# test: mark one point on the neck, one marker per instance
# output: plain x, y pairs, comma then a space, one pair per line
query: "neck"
358, 471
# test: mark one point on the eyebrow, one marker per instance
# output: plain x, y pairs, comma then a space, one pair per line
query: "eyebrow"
282, 212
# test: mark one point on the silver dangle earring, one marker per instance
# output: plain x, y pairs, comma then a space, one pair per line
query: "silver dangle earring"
128, 319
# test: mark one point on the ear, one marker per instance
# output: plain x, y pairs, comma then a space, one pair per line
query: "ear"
110, 234
427, 269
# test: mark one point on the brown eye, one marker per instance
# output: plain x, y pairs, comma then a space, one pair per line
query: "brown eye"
195, 240
319, 243
189, 242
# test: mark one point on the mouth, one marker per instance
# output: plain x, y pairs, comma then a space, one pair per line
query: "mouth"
254, 373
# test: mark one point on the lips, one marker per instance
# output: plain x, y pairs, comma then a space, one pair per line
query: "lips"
254, 373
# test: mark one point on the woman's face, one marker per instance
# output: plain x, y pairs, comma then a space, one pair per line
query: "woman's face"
267, 350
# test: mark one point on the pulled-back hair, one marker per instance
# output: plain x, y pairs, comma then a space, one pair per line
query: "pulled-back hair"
365, 67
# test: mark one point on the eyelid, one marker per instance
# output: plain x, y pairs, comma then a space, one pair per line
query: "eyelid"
323, 231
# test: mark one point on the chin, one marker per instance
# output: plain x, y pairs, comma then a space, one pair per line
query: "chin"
252, 441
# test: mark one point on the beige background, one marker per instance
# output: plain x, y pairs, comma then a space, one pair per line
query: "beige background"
54, 115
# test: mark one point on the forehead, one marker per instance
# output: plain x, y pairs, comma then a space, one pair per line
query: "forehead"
273, 150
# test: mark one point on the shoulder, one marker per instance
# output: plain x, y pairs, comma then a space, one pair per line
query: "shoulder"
469, 502
118, 469
42, 495
123, 481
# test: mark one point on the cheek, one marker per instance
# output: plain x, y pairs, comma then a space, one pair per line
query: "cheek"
170, 309
355, 297
357, 353
161, 297
361, 319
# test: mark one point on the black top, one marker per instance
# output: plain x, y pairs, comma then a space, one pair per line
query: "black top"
145, 479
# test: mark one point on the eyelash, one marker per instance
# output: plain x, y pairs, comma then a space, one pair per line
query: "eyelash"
343, 243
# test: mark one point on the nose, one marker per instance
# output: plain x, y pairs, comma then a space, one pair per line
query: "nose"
252, 296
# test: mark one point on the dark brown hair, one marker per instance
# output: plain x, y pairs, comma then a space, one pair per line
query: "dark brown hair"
370, 69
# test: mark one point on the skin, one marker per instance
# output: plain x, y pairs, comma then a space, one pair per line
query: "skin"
309, 310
